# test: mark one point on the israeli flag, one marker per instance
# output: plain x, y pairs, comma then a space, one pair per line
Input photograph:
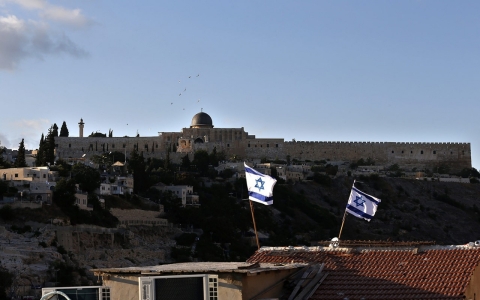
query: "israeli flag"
362, 205
260, 186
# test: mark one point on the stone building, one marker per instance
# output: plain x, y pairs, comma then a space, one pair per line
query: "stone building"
236, 142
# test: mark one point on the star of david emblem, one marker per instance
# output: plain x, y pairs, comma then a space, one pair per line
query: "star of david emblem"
359, 201
259, 183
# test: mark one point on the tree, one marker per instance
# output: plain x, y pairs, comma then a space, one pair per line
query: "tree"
55, 130
186, 162
88, 178
64, 193
41, 155
50, 147
64, 130
201, 161
20, 162
3, 162
136, 165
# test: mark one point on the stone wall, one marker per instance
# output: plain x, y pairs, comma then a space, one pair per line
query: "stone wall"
236, 142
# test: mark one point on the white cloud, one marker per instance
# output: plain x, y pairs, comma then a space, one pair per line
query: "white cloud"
21, 39
72, 17
30, 131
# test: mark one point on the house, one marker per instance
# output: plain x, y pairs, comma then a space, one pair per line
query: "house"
35, 183
121, 185
386, 270
183, 192
198, 280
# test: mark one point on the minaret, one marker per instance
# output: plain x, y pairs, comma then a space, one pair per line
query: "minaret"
80, 127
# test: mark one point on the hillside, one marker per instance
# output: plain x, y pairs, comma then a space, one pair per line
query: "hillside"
302, 214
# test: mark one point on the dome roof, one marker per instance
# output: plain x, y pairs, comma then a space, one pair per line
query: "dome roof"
201, 120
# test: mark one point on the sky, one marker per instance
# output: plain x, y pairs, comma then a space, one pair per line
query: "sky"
383, 71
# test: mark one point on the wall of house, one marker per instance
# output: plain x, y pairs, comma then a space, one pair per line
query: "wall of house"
473, 288
122, 287
253, 285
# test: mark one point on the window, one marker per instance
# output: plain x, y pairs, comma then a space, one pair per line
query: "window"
434, 152
228, 145
402, 151
248, 145
44, 175
393, 151
268, 145
276, 145
123, 145
421, 151
411, 151
16, 175
69, 145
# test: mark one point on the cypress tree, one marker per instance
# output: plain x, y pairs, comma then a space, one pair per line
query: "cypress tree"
55, 130
50, 147
64, 130
40, 160
21, 162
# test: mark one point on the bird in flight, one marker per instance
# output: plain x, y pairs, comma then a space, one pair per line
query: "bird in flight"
170, 104
189, 76
185, 90
180, 94
198, 75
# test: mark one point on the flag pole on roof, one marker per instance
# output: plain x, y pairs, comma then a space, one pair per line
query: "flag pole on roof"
260, 189
360, 205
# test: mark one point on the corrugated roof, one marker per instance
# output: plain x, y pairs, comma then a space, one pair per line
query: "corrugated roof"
424, 272
201, 267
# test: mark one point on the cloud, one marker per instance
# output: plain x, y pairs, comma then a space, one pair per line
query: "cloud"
73, 17
30, 131
21, 39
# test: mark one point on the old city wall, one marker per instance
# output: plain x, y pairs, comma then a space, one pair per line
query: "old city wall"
454, 155
75, 147
236, 142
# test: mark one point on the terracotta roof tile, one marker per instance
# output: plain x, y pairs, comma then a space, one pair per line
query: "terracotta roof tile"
400, 273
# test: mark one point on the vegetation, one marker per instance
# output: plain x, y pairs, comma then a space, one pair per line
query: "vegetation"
20, 162
64, 130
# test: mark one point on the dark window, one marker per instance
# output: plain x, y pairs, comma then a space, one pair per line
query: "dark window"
268, 145
248, 145
411, 151
228, 145
69, 145
402, 151
434, 152
421, 152
276, 145
393, 151
123, 145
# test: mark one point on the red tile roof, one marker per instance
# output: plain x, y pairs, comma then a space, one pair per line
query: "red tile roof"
427, 272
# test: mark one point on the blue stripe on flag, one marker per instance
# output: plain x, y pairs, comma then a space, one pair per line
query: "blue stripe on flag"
359, 212
260, 198
374, 200
252, 171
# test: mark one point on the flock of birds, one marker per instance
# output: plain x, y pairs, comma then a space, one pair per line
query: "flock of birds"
185, 89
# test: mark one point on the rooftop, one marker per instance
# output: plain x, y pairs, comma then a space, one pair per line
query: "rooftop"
379, 271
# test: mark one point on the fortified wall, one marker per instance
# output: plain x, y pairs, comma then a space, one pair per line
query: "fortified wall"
237, 142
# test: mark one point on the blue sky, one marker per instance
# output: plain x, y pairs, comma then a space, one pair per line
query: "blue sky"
397, 71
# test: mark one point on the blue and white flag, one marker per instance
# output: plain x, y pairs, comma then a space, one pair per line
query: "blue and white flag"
362, 205
260, 186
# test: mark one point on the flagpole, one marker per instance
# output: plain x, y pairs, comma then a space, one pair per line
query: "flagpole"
344, 215
254, 224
